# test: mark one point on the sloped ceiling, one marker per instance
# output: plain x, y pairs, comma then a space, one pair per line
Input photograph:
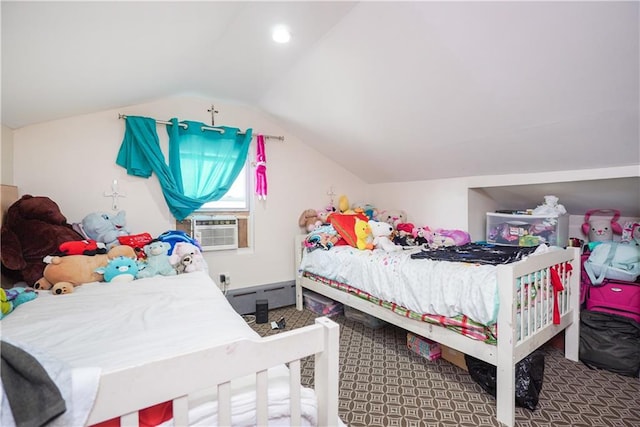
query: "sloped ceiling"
394, 91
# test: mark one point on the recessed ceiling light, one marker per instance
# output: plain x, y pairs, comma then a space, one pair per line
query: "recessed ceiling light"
281, 34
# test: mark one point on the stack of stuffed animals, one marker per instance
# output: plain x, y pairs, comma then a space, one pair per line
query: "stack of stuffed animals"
373, 228
41, 248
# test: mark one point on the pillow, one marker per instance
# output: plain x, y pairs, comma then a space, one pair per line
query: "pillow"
344, 225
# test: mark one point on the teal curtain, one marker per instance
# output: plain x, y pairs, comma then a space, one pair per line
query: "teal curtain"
203, 164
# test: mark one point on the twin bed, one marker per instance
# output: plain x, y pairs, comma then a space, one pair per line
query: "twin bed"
173, 345
496, 313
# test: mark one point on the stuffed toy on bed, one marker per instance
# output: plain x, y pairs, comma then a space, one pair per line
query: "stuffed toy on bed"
62, 274
157, 261
34, 228
381, 232
119, 269
12, 298
105, 228
187, 258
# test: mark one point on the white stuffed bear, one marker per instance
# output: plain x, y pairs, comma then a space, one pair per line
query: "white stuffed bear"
381, 232
392, 216
186, 258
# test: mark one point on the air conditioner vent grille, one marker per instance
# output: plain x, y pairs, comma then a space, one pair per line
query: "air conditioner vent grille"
216, 232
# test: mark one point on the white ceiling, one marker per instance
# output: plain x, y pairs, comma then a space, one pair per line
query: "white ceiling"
394, 91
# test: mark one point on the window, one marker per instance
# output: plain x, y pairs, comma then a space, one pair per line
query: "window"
236, 202
236, 199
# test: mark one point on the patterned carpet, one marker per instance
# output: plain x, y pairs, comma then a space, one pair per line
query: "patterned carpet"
382, 383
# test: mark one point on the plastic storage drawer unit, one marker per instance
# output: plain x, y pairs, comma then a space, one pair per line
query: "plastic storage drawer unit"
320, 304
527, 230
364, 318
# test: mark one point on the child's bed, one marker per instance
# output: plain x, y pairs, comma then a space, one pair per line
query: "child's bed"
460, 305
113, 349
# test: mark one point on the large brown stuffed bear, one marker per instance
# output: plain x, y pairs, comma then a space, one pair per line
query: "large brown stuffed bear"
33, 228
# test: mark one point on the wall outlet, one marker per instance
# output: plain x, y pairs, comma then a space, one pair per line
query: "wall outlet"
225, 278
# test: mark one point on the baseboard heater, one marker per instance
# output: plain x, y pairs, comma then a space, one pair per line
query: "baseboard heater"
280, 294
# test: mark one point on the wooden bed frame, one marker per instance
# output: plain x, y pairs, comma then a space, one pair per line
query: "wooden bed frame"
510, 349
122, 394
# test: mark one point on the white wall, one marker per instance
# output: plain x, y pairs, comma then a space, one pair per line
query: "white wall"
6, 156
460, 203
72, 161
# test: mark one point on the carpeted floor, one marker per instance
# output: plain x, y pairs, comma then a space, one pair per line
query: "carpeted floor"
382, 383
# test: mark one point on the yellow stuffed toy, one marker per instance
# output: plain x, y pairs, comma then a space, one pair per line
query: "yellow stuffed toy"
363, 234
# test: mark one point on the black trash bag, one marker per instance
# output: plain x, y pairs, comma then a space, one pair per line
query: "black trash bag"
529, 376
611, 342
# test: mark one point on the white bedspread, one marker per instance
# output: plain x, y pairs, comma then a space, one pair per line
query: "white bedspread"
421, 285
110, 326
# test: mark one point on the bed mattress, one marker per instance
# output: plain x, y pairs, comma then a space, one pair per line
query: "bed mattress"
442, 288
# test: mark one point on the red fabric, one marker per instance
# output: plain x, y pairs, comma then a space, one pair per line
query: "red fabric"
149, 417
406, 227
344, 225
557, 287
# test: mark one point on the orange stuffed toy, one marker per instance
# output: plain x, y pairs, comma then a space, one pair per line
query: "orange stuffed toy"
62, 274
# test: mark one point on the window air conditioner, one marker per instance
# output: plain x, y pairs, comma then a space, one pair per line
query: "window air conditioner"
215, 233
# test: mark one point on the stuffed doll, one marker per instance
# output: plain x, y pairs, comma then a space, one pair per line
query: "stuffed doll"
62, 274
420, 235
187, 258
105, 228
157, 261
381, 232
34, 228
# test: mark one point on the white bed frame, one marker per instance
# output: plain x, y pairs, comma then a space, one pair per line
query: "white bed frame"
123, 393
510, 349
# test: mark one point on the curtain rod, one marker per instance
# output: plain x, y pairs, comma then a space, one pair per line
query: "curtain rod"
164, 122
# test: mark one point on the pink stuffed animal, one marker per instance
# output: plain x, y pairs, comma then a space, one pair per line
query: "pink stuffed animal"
441, 237
187, 258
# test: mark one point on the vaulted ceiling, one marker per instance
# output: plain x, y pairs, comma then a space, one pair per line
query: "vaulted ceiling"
395, 91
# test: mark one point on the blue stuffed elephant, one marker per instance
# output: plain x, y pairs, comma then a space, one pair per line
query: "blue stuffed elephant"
105, 228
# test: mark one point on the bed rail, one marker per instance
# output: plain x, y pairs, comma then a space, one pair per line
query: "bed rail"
123, 393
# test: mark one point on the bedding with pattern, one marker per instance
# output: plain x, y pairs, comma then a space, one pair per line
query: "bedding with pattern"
462, 296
